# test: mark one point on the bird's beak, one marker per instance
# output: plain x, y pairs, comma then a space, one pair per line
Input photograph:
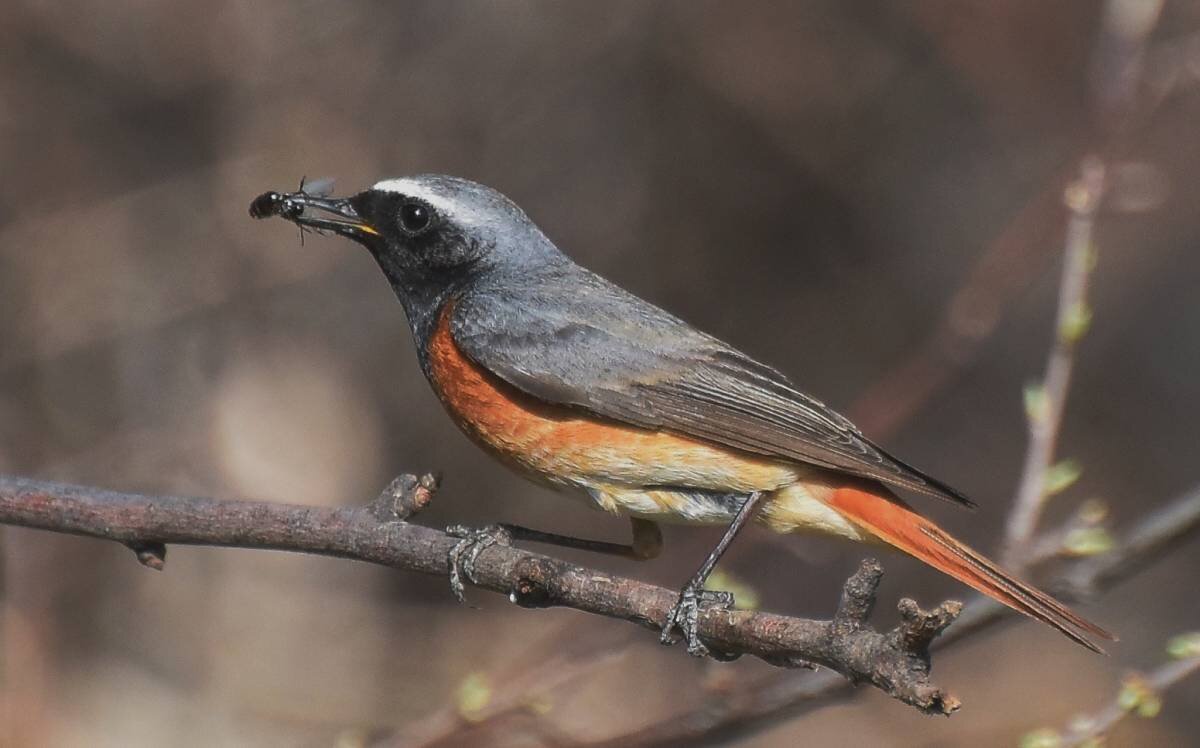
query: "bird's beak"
334, 214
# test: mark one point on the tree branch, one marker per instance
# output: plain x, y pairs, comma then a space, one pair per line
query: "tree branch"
895, 661
775, 699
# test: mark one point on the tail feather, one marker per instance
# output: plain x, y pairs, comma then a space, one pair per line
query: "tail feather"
888, 519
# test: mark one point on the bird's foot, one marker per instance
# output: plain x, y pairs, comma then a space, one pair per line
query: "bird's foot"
685, 615
462, 557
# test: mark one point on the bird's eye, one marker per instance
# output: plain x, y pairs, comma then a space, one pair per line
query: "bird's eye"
415, 216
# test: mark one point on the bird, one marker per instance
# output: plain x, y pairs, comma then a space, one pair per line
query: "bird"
579, 384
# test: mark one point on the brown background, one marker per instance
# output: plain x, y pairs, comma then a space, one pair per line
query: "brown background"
812, 181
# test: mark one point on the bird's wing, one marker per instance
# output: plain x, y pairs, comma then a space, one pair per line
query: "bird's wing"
591, 345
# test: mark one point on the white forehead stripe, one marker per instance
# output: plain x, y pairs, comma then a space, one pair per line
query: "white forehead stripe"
402, 185
418, 189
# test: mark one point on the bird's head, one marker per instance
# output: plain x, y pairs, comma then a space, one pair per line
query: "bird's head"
429, 233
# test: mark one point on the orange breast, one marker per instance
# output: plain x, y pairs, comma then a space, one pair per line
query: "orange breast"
566, 445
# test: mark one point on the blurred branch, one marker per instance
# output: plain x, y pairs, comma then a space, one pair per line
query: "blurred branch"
895, 661
1009, 265
1046, 401
486, 705
755, 706
1017, 257
1140, 694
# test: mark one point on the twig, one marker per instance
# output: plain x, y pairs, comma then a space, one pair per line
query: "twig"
895, 661
1152, 538
1045, 408
772, 700
1139, 694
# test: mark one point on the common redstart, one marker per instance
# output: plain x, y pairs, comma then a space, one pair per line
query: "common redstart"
580, 384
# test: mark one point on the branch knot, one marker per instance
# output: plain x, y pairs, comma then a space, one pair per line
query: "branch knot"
404, 496
531, 589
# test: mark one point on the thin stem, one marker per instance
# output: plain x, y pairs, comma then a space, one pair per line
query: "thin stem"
1045, 407
1158, 682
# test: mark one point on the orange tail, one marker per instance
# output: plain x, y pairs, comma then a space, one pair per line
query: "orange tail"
889, 520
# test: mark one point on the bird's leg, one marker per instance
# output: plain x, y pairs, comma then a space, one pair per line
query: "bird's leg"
685, 614
647, 544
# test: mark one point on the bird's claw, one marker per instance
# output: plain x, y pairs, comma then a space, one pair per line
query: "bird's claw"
462, 557
685, 615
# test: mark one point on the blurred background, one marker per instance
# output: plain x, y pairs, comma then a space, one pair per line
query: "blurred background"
866, 195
